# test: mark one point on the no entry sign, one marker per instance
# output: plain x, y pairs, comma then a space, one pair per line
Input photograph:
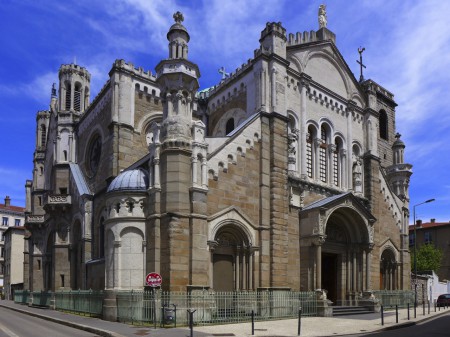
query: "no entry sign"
153, 279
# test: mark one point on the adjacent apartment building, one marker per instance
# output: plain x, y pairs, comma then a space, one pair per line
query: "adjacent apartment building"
15, 249
10, 216
438, 234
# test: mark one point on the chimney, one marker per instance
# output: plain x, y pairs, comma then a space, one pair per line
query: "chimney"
433, 220
7, 201
418, 223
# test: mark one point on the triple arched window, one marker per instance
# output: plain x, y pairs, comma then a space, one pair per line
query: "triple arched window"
323, 156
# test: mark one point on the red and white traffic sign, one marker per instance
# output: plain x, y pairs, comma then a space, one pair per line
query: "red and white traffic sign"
153, 279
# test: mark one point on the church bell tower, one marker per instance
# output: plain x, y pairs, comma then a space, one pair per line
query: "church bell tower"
177, 78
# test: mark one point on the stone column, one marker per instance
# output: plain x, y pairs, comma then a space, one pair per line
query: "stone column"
194, 170
303, 130
250, 269
316, 158
204, 169
349, 150
318, 266
244, 269
237, 265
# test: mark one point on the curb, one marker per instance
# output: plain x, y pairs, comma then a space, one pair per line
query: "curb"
100, 332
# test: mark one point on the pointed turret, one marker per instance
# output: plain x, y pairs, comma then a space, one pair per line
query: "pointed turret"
399, 173
178, 80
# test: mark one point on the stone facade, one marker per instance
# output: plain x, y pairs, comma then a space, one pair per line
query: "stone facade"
288, 174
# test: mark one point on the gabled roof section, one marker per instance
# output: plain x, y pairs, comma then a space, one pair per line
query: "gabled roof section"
339, 199
334, 54
80, 182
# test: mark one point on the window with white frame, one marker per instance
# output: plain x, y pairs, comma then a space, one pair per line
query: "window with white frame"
5, 221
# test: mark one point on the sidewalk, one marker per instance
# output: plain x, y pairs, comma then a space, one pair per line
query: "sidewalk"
310, 326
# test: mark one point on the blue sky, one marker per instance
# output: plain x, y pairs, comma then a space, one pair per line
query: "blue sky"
407, 51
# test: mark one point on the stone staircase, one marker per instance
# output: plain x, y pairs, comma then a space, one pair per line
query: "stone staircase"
354, 310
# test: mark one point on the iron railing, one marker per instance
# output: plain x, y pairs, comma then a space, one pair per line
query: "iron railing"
88, 302
41, 298
21, 296
148, 307
391, 298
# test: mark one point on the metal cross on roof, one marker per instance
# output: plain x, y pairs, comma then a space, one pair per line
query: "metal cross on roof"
224, 73
361, 65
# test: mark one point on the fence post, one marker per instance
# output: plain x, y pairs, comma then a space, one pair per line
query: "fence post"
299, 321
191, 321
253, 322
382, 317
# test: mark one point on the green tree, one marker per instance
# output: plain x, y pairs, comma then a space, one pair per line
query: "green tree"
428, 258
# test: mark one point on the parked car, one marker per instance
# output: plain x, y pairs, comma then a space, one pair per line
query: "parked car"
443, 300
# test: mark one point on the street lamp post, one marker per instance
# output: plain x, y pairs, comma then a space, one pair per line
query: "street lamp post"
415, 249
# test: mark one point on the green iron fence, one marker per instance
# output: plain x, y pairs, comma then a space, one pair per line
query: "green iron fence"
88, 302
21, 296
41, 298
147, 307
391, 298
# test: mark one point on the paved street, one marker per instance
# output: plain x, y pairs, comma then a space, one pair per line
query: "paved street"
310, 326
16, 324
437, 327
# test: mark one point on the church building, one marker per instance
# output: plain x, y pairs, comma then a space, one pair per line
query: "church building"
287, 174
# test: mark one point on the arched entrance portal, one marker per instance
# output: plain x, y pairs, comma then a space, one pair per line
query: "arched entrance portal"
388, 271
345, 271
232, 260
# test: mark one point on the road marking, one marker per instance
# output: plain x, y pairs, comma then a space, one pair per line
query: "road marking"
7, 331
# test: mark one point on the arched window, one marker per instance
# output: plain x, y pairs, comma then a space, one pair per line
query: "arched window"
323, 155
68, 96
230, 126
309, 152
337, 169
77, 97
43, 135
383, 125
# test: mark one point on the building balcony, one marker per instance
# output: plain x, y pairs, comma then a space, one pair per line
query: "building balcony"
54, 202
33, 219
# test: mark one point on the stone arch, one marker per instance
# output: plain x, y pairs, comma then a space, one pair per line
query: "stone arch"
344, 253
389, 266
232, 258
310, 56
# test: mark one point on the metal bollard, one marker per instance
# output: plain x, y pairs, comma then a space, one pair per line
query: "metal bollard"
191, 321
408, 311
396, 313
423, 306
415, 311
253, 322
299, 321
382, 317
428, 307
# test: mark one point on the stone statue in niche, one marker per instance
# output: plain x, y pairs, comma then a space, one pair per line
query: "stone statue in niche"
322, 16
357, 176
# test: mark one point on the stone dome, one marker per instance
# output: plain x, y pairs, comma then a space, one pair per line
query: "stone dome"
132, 180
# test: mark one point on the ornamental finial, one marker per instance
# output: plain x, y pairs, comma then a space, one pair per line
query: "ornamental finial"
178, 16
